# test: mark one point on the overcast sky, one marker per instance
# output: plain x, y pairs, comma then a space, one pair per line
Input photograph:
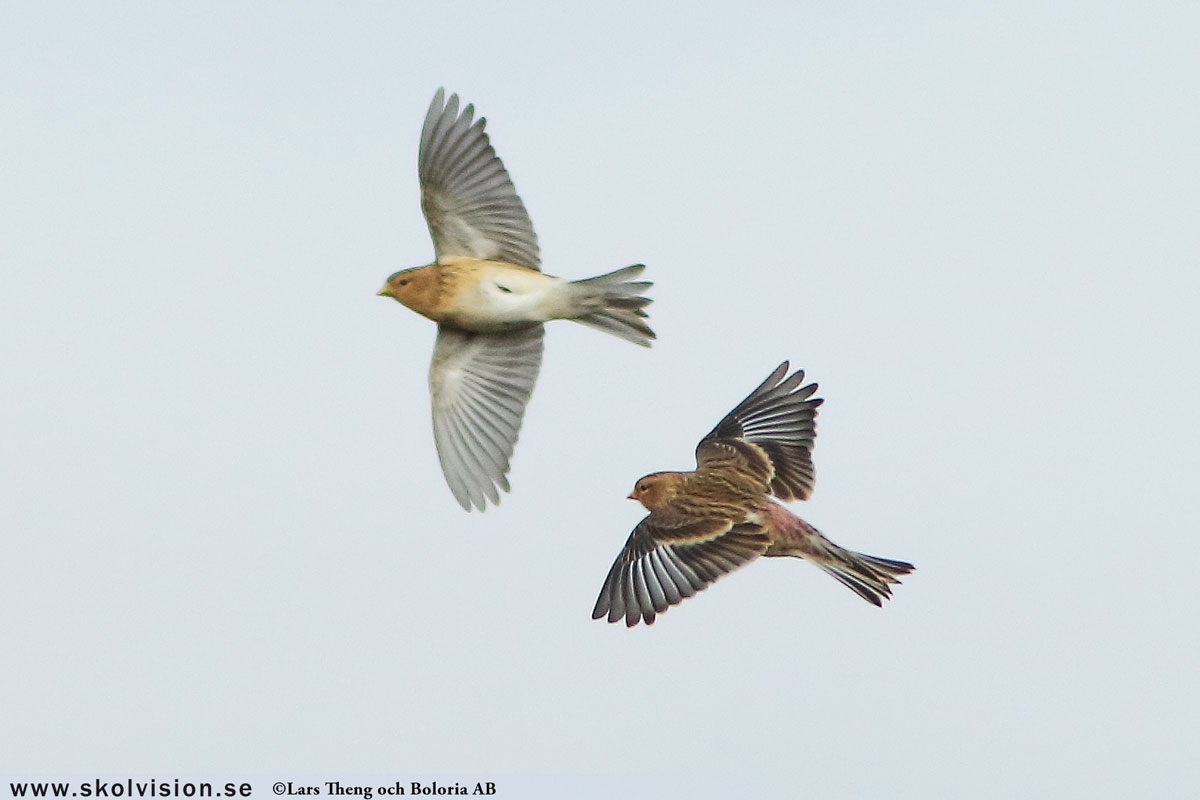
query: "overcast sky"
228, 549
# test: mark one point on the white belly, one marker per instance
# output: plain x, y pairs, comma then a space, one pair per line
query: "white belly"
512, 298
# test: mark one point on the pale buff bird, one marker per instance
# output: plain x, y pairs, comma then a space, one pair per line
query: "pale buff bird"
489, 298
707, 523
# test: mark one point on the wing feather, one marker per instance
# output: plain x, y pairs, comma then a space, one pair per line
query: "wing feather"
468, 198
775, 424
480, 385
668, 558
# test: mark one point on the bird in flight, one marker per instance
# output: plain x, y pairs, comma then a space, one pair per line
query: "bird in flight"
489, 298
707, 523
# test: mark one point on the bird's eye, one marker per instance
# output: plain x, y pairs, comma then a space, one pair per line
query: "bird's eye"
403, 281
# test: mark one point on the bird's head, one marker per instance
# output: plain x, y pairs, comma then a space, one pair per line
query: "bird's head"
418, 288
657, 489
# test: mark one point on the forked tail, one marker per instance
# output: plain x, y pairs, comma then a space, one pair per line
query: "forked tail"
613, 303
870, 577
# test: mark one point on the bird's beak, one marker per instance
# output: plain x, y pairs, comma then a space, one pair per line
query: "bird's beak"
631, 497
385, 291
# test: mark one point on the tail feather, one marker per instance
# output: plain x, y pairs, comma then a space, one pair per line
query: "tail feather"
870, 577
612, 303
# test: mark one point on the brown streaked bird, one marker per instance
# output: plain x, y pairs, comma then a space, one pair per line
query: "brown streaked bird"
489, 298
707, 523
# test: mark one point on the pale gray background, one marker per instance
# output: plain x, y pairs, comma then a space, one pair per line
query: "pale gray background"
228, 550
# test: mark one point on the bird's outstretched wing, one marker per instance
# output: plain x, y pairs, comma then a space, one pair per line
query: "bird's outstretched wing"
468, 199
769, 435
669, 557
480, 384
